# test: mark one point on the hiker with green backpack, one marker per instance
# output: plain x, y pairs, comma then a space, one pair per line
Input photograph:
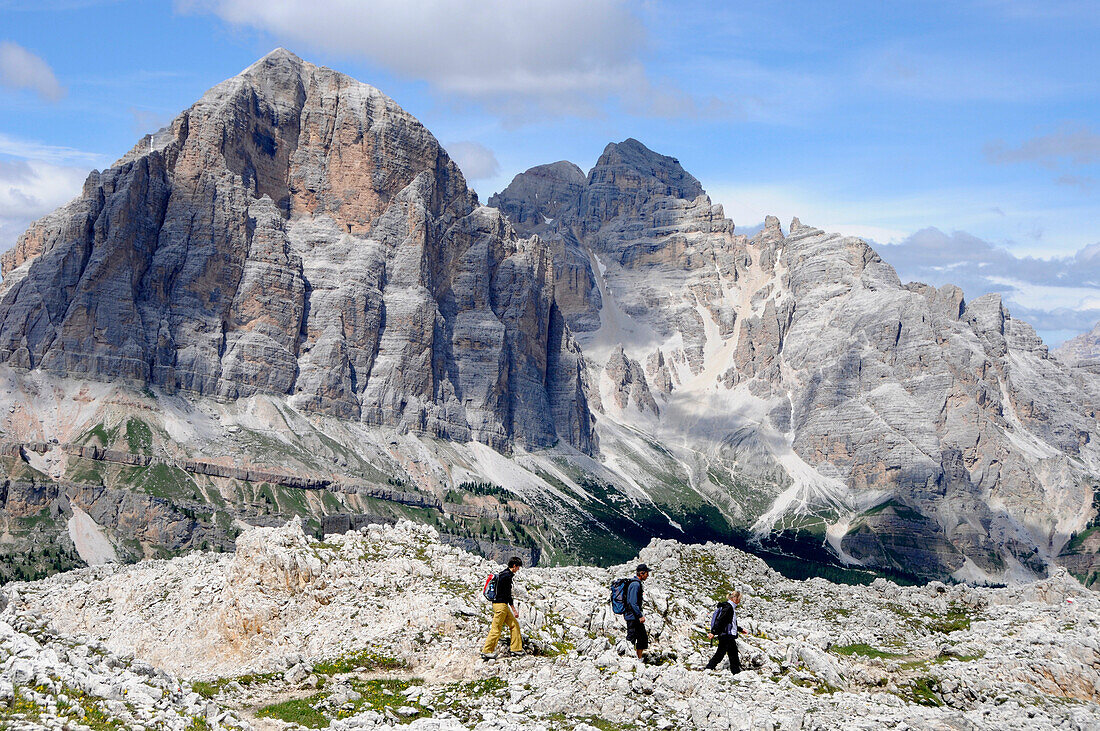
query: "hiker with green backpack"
626, 599
498, 590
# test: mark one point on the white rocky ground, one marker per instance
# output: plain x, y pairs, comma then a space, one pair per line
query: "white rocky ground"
383, 627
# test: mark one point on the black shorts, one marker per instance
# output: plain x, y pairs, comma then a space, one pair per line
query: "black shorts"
636, 633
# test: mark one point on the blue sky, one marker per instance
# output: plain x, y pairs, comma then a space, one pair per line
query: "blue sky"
963, 137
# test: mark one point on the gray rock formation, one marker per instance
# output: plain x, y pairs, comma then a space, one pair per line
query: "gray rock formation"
930, 434
289, 617
1082, 351
296, 232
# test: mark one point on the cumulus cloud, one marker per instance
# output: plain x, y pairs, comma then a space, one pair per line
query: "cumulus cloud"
1076, 145
21, 69
475, 160
518, 58
1059, 296
36, 178
30, 189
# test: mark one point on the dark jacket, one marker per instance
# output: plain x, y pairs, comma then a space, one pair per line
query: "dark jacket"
633, 600
504, 587
730, 626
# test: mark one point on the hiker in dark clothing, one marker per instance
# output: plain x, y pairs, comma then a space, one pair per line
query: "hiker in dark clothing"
504, 612
723, 625
635, 618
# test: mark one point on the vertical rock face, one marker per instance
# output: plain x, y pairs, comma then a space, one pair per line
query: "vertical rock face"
296, 232
931, 434
642, 230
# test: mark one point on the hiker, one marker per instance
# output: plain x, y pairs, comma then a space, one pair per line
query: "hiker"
723, 625
504, 612
635, 618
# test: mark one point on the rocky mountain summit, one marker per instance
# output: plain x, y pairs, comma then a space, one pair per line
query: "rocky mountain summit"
287, 302
296, 232
382, 626
905, 426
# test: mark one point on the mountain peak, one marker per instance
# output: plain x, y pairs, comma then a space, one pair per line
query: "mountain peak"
281, 53
630, 164
289, 198
279, 57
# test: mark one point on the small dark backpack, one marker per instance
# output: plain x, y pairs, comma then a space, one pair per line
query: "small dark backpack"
490, 588
721, 618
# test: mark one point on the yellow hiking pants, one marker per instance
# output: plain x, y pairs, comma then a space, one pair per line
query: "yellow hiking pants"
502, 615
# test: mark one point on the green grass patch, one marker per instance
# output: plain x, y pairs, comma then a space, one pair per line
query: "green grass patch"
301, 711
210, 688
362, 660
957, 618
380, 694
316, 711
818, 687
559, 647
1078, 540
863, 650
942, 658
924, 691
92, 715
139, 436
99, 433
20, 707
562, 721
479, 688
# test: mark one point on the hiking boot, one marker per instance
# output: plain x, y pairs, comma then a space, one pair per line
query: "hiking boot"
488, 656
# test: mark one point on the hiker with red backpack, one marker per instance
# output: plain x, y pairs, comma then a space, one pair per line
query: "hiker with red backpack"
723, 625
626, 599
498, 590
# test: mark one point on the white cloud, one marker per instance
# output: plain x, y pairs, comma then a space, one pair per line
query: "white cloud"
30, 149
1046, 297
1059, 296
21, 69
1027, 222
29, 189
1076, 145
475, 160
38, 180
519, 58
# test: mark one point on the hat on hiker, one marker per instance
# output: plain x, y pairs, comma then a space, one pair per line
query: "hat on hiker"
642, 567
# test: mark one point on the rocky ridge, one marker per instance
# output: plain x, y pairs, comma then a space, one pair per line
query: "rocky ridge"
1082, 351
51, 681
383, 625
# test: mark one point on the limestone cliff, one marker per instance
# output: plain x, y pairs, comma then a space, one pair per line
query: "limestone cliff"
296, 232
915, 430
